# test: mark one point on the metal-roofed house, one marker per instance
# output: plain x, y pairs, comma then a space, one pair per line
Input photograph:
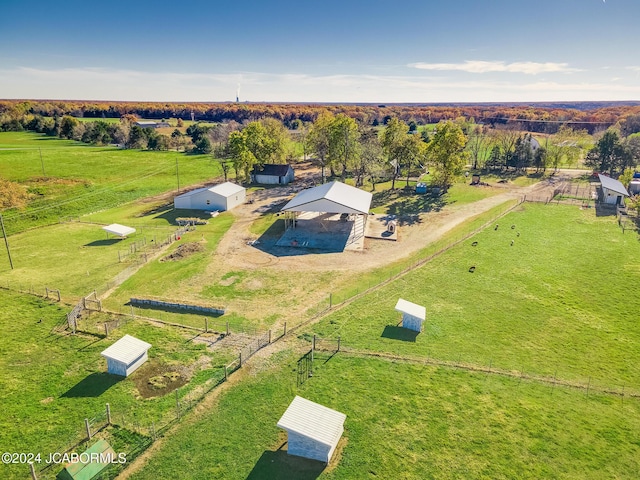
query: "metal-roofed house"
313, 430
613, 192
119, 230
222, 197
412, 315
272, 174
126, 355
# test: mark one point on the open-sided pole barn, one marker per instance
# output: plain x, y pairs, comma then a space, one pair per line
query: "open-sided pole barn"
323, 206
119, 230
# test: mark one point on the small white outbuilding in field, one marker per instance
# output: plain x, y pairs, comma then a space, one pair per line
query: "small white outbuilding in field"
224, 196
119, 230
613, 192
412, 315
126, 355
313, 430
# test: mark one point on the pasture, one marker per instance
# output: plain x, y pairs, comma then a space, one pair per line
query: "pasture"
407, 421
555, 303
65, 178
546, 300
51, 382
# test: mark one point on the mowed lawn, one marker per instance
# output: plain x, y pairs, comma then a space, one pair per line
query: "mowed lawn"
553, 293
80, 179
50, 383
408, 421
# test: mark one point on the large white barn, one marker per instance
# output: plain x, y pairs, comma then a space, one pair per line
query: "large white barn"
126, 355
313, 430
222, 197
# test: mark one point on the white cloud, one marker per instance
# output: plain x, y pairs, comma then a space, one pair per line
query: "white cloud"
480, 66
105, 84
634, 69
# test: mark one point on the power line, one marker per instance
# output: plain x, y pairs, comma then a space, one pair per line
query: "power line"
547, 121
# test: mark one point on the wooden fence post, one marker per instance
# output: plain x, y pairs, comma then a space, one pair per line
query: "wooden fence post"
226, 373
338, 344
108, 414
313, 346
33, 471
88, 427
240, 357
206, 325
285, 329
269, 336
227, 327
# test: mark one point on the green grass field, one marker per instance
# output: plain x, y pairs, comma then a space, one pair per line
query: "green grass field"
410, 422
554, 302
80, 179
50, 382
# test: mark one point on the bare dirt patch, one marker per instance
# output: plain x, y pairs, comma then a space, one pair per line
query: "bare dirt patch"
183, 251
154, 379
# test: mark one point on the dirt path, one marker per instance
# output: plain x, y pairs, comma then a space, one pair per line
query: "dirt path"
234, 252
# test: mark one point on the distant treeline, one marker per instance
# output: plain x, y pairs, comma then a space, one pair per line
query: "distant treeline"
532, 117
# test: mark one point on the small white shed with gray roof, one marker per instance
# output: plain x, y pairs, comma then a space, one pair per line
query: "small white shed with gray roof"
126, 355
412, 315
313, 430
613, 192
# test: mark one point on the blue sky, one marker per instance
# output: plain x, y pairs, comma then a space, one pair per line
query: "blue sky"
330, 51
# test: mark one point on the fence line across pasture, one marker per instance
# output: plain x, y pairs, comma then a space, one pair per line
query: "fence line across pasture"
589, 384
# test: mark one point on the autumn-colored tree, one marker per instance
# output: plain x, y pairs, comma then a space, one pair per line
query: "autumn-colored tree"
319, 140
393, 138
446, 153
344, 148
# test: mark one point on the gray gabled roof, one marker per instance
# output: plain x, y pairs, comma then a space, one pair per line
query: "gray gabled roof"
271, 169
334, 197
312, 420
613, 185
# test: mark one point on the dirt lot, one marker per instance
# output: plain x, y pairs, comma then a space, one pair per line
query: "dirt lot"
236, 252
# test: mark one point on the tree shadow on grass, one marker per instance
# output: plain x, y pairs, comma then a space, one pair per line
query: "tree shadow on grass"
279, 465
406, 205
93, 385
399, 333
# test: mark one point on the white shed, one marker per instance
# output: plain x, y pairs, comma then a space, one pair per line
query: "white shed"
119, 230
412, 315
613, 192
224, 196
313, 430
126, 355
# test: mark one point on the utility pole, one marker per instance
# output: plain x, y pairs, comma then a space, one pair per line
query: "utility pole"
6, 242
178, 174
42, 163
